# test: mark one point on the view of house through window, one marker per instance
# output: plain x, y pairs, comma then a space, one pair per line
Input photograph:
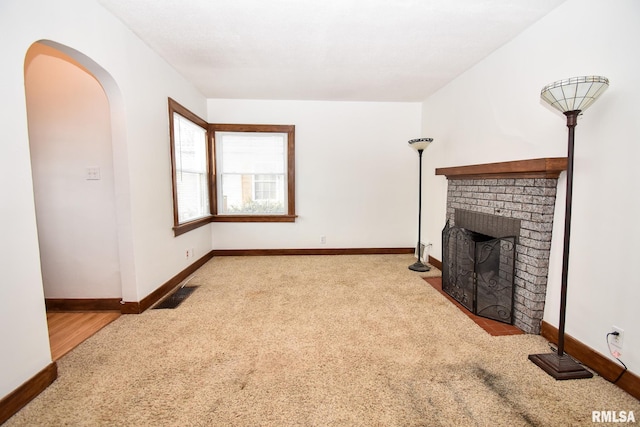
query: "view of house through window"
251, 173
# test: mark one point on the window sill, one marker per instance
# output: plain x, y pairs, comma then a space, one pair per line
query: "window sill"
188, 226
254, 218
192, 225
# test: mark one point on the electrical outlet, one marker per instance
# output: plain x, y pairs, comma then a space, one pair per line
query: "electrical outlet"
617, 340
323, 239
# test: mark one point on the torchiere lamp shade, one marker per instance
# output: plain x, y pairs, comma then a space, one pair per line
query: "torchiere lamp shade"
420, 143
574, 94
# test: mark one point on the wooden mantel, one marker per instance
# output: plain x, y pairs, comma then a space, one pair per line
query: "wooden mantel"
549, 167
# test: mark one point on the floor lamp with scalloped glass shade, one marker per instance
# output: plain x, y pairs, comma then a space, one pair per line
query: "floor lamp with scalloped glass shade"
571, 97
419, 144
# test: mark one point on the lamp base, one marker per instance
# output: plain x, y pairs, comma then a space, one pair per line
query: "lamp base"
419, 266
560, 367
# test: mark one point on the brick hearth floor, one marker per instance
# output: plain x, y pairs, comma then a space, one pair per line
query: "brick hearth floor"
492, 327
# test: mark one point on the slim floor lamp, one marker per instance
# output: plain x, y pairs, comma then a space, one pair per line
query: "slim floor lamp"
571, 97
419, 145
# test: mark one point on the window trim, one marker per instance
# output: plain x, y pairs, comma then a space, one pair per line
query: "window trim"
181, 228
290, 216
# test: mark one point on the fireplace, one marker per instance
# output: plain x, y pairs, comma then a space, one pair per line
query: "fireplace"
507, 200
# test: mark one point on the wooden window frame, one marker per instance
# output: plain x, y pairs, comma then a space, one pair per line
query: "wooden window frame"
290, 215
181, 228
178, 228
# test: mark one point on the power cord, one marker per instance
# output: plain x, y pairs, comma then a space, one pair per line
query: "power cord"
615, 354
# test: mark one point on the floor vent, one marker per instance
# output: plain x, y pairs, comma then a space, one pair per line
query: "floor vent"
176, 298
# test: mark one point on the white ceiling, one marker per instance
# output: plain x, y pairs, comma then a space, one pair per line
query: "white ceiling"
348, 50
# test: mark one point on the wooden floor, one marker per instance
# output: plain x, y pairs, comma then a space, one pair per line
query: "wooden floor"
68, 329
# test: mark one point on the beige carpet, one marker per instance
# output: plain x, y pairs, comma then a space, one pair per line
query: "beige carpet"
312, 341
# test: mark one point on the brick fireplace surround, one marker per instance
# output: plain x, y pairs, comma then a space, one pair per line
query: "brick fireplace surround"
524, 190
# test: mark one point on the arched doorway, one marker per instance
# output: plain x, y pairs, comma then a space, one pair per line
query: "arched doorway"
70, 138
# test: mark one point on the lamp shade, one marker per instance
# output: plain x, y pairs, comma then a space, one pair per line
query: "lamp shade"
575, 93
420, 143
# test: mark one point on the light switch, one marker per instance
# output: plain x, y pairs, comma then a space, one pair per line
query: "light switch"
93, 173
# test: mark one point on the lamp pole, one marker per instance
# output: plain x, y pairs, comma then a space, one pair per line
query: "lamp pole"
419, 145
572, 121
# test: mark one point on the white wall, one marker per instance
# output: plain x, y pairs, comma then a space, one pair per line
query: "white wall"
137, 83
356, 176
70, 130
493, 113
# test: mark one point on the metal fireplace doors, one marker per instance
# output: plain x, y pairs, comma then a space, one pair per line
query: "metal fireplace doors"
478, 272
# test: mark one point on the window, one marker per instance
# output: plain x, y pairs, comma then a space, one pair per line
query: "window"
254, 179
228, 172
190, 166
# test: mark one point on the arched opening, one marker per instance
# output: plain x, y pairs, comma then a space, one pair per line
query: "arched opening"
75, 189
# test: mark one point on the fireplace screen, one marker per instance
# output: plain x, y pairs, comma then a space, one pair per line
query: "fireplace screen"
478, 272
